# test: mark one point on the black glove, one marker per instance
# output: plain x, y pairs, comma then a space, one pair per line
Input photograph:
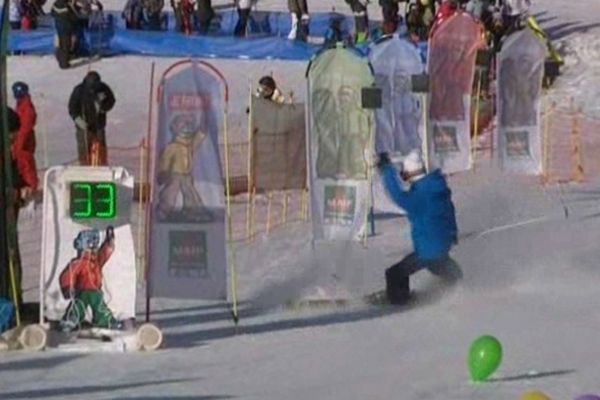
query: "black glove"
110, 233
383, 160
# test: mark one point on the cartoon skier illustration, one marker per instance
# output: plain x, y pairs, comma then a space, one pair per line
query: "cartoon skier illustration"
175, 170
81, 281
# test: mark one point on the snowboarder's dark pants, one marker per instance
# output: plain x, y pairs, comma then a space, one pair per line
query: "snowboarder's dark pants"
240, 27
397, 276
85, 140
15, 25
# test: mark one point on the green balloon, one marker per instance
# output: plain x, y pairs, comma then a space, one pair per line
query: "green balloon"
485, 357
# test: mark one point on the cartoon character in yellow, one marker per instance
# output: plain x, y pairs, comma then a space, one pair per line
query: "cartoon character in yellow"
175, 168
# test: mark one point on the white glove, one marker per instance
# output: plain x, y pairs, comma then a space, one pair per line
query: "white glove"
81, 124
28, 211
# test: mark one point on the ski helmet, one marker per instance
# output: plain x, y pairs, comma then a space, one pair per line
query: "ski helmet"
20, 89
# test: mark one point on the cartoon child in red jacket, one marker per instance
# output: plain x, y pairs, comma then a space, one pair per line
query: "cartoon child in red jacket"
81, 281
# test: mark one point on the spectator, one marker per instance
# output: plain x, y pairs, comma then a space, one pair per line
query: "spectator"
145, 14
31, 9
361, 19
183, 9
267, 89
15, 14
391, 19
133, 14
300, 20
84, 10
421, 15
204, 14
243, 9
88, 105
66, 21
25, 137
24, 185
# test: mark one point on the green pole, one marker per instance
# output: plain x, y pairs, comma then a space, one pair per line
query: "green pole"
8, 231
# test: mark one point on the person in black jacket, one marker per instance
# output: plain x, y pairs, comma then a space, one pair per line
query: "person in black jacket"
66, 22
88, 105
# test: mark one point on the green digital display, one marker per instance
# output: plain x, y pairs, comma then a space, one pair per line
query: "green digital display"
93, 200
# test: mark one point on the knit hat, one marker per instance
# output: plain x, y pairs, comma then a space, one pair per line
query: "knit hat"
413, 166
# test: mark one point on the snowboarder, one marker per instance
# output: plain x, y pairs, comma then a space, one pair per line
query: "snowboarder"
81, 281
66, 22
430, 210
88, 105
300, 20
361, 19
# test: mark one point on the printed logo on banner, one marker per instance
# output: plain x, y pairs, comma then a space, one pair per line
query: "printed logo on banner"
445, 139
517, 144
340, 205
188, 102
188, 254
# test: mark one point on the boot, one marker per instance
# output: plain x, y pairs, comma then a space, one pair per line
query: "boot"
294, 30
397, 288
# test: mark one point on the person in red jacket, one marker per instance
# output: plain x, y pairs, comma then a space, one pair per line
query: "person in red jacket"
24, 182
81, 280
23, 144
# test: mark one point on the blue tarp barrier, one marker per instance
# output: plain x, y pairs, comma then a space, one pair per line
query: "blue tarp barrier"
267, 40
173, 44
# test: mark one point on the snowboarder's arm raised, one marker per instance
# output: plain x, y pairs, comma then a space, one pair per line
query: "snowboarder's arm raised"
392, 184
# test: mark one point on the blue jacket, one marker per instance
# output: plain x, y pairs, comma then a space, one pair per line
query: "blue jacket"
430, 212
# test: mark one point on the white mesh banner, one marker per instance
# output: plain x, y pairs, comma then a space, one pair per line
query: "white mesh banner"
451, 67
520, 74
399, 123
188, 242
340, 143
